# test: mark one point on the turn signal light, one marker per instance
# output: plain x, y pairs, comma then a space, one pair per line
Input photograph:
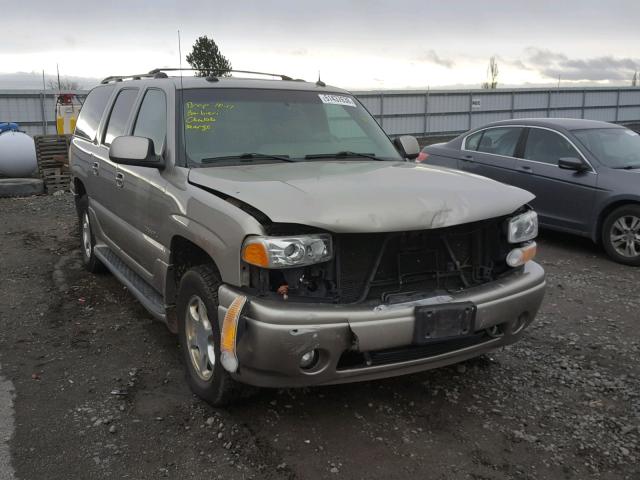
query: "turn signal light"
255, 254
229, 335
521, 255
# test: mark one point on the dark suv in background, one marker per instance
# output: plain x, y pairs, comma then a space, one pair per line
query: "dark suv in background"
585, 174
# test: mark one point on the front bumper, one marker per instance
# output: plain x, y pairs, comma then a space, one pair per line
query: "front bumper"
275, 334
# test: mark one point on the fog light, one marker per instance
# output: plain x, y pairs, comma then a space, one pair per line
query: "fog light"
309, 359
520, 256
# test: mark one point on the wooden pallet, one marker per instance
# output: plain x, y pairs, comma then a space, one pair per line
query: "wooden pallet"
53, 153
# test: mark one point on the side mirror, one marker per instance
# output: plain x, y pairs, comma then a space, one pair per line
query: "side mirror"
571, 163
408, 146
136, 151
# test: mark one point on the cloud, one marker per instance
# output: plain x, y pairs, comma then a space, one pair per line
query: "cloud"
33, 80
554, 64
431, 56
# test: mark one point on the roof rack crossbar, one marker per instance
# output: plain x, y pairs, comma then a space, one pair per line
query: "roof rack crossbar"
277, 75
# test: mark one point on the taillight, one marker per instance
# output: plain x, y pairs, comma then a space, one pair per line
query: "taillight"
422, 157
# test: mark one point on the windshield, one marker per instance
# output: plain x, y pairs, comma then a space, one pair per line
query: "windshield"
614, 147
223, 125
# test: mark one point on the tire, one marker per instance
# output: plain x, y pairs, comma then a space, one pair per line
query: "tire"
197, 311
87, 238
621, 235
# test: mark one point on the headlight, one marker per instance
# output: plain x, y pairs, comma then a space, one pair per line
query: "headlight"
523, 227
285, 252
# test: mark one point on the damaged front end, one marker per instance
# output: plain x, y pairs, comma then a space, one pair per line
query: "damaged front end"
353, 306
388, 268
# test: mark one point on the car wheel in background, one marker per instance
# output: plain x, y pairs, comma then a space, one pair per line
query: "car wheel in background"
199, 332
88, 241
621, 235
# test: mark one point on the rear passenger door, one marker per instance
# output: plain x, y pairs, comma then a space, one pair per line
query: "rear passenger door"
84, 163
564, 198
115, 126
490, 152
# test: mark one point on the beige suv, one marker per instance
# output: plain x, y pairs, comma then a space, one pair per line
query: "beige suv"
288, 242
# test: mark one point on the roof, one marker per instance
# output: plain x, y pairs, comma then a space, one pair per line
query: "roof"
564, 123
232, 82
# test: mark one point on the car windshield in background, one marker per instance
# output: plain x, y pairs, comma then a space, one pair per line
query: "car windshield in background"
614, 147
223, 126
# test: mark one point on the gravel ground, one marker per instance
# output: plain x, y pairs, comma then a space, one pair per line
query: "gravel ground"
100, 393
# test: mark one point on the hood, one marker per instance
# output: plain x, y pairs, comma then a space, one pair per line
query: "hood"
363, 196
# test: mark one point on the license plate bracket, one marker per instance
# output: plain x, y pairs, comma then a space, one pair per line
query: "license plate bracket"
440, 322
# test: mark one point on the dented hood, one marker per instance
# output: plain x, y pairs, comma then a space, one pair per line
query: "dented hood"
363, 196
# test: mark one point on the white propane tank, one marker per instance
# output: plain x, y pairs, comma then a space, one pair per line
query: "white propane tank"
17, 155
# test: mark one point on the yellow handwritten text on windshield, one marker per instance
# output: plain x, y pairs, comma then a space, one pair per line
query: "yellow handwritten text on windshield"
202, 117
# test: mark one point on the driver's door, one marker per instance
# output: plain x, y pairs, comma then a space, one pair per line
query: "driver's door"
564, 198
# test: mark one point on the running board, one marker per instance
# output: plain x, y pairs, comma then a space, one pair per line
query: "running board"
144, 293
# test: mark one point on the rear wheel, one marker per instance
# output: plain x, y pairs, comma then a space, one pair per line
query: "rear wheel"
621, 235
89, 259
199, 331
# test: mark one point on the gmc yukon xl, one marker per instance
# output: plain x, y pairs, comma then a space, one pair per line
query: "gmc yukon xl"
275, 228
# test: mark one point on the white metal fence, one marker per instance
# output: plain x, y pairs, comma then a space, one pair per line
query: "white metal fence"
442, 112
421, 113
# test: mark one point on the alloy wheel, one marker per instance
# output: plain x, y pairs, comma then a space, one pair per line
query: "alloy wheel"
199, 335
625, 236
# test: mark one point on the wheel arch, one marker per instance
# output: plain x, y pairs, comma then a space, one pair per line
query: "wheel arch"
185, 253
606, 211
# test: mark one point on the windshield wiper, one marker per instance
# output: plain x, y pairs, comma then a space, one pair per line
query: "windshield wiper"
343, 154
248, 156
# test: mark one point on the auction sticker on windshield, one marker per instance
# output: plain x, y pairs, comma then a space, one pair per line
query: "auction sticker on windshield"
337, 99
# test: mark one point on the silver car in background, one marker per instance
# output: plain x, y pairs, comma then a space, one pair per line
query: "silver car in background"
585, 174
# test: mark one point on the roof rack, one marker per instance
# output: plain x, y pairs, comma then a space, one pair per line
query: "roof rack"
161, 73
119, 78
277, 75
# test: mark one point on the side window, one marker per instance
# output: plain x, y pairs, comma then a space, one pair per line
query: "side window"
472, 141
547, 147
120, 114
152, 119
91, 112
500, 141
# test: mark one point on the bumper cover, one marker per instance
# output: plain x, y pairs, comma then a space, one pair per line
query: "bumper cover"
275, 334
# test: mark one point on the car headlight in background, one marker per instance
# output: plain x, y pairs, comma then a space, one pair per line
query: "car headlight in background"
286, 252
523, 227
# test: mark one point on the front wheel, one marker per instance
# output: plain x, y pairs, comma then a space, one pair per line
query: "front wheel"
199, 332
621, 235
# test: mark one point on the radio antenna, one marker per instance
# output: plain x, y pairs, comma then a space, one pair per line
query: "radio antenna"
180, 58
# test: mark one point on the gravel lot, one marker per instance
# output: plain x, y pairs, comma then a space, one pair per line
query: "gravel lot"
99, 388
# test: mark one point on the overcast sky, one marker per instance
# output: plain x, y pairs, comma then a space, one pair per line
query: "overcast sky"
356, 44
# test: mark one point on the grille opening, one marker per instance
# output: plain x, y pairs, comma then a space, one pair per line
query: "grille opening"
390, 266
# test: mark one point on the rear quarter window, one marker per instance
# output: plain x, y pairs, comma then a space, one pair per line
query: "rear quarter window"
472, 141
91, 112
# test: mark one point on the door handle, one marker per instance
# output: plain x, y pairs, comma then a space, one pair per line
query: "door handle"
466, 158
119, 180
525, 169
95, 168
